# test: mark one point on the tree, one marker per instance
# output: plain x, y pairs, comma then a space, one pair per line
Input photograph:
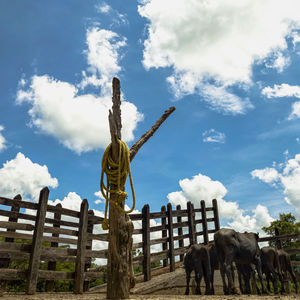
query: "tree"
286, 225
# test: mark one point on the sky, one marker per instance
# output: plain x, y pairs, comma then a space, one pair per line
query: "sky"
231, 69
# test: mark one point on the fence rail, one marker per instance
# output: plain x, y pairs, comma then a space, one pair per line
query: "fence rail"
38, 232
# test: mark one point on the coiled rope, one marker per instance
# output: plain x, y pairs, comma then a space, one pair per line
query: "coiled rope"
116, 174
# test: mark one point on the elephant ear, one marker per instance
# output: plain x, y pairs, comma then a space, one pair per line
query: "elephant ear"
256, 236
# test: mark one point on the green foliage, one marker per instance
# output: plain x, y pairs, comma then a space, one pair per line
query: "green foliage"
286, 225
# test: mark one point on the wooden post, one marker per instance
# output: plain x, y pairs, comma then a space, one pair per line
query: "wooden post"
89, 245
164, 233
171, 237
216, 214
119, 267
278, 242
49, 287
146, 242
34, 261
81, 248
15, 208
180, 232
191, 221
204, 222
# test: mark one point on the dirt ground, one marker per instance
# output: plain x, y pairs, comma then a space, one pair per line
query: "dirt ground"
98, 296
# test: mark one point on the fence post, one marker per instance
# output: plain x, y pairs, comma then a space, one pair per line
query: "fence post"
146, 242
164, 233
15, 208
216, 214
191, 217
49, 286
171, 238
81, 247
89, 245
34, 261
180, 232
278, 242
204, 222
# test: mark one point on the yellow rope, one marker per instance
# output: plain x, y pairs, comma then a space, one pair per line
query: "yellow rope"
116, 174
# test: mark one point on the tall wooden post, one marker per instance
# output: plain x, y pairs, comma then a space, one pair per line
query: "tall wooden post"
146, 242
119, 261
34, 261
164, 232
180, 232
204, 222
171, 237
191, 218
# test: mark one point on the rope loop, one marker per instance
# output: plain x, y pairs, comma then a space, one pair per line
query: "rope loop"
116, 174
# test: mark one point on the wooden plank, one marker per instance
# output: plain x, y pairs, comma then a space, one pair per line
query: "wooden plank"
180, 251
16, 235
216, 214
87, 265
280, 237
96, 219
34, 260
157, 228
49, 285
156, 215
57, 230
137, 245
9, 255
159, 241
6, 246
22, 204
99, 237
63, 211
59, 240
16, 226
164, 233
58, 251
55, 275
181, 237
12, 274
171, 237
146, 242
204, 222
181, 224
181, 213
190, 209
159, 256
137, 231
179, 230
81, 248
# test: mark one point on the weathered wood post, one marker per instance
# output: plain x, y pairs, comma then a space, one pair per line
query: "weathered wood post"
119, 261
278, 242
34, 261
49, 287
191, 222
180, 232
171, 237
89, 245
15, 208
216, 214
146, 242
81, 247
164, 232
204, 222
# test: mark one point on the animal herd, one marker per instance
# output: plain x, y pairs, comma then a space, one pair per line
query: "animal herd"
230, 247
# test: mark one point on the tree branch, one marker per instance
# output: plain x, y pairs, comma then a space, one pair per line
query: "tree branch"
146, 136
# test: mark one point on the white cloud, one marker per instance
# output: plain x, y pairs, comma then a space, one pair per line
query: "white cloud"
2, 140
282, 90
201, 187
295, 111
289, 178
100, 198
21, 176
268, 175
103, 8
279, 62
103, 58
115, 17
298, 140
213, 136
216, 41
80, 121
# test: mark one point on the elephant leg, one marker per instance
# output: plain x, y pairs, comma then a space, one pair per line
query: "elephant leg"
188, 278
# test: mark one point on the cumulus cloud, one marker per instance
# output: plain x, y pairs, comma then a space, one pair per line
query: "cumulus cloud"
202, 187
281, 90
116, 17
2, 139
279, 62
295, 114
216, 41
77, 120
21, 176
288, 178
268, 175
213, 136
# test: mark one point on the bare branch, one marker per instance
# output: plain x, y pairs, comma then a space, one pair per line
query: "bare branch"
146, 136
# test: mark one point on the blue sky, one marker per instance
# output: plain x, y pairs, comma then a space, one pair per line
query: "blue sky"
230, 68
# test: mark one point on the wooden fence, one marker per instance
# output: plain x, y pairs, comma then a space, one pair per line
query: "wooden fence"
46, 227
